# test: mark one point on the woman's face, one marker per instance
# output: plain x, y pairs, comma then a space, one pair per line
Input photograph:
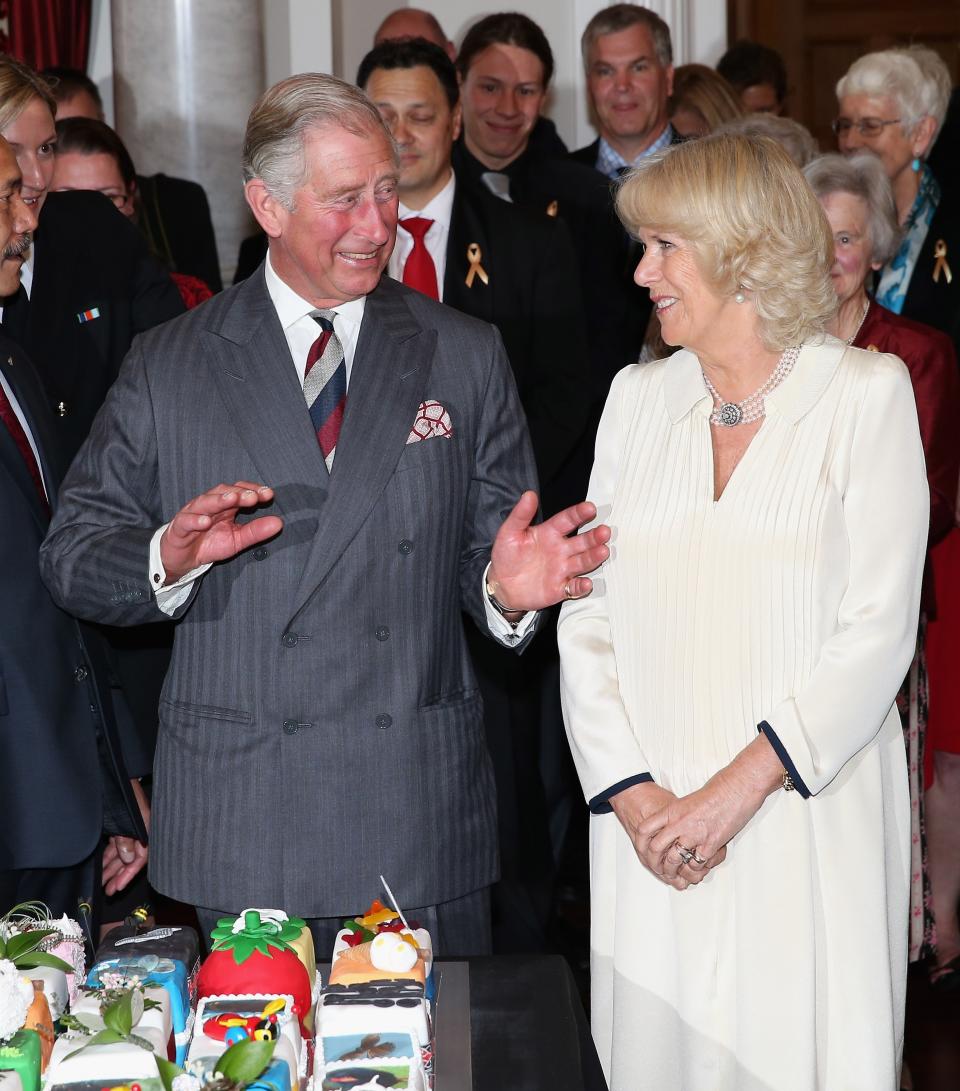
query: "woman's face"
688, 123
853, 247
98, 171
895, 150
688, 308
33, 137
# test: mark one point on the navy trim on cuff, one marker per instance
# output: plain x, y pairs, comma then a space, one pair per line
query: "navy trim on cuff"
781, 752
600, 803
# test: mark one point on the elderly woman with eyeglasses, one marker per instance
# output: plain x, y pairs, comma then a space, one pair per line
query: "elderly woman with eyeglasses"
892, 104
857, 200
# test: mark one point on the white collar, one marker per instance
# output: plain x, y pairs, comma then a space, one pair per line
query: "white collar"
439, 208
291, 307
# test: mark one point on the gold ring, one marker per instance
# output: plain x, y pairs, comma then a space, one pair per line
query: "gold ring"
566, 590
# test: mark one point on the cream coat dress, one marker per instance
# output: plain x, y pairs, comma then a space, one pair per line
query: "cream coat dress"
793, 601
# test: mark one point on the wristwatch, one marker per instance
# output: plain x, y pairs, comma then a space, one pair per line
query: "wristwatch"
498, 605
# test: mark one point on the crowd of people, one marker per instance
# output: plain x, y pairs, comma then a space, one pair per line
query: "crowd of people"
674, 415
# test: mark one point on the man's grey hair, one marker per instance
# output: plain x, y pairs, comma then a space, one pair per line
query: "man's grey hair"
861, 176
619, 17
273, 147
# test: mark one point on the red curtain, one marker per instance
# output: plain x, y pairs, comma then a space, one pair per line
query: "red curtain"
46, 32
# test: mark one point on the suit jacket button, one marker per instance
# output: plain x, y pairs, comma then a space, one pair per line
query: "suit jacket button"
81, 674
383, 721
290, 727
259, 554
383, 633
289, 640
405, 546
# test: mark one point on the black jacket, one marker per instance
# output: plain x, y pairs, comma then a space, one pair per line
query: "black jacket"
52, 690
91, 262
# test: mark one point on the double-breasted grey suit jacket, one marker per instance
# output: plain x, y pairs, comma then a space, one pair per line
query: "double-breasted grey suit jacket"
320, 723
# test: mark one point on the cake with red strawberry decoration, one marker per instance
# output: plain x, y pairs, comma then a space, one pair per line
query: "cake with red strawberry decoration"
261, 952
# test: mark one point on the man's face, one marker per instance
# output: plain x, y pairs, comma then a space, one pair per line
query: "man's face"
17, 220
629, 87
501, 95
97, 171
33, 137
760, 98
336, 242
414, 106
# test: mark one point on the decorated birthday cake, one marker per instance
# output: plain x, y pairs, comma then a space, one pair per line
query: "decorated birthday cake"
373, 1018
254, 1015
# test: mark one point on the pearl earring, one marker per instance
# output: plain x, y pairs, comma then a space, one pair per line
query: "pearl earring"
739, 297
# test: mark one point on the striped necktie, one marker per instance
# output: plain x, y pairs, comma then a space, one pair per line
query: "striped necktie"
325, 385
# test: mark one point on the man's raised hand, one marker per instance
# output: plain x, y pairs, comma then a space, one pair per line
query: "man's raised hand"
205, 529
535, 565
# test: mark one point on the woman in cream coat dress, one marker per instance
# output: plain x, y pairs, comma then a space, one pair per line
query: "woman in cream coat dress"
729, 685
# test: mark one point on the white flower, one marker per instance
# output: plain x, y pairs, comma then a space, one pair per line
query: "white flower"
16, 995
185, 1082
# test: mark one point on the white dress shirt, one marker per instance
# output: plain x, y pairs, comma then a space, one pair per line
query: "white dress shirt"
439, 209
300, 330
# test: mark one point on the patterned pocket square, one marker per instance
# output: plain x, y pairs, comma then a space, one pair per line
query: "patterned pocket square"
432, 420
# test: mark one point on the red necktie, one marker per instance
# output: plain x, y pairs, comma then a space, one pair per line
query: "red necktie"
419, 271
15, 428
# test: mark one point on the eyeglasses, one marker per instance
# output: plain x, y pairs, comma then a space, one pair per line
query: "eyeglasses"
867, 126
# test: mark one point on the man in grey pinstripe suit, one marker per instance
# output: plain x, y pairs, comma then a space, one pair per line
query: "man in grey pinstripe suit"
320, 723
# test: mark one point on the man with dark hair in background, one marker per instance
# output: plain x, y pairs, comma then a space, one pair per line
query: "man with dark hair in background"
758, 74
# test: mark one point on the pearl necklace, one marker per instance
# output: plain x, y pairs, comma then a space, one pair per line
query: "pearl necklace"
863, 318
730, 414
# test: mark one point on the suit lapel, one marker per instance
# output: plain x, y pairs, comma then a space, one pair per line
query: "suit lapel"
390, 371
258, 382
467, 228
28, 398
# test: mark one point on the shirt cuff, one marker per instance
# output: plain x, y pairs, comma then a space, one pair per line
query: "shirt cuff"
505, 632
600, 804
171, 598
781, 751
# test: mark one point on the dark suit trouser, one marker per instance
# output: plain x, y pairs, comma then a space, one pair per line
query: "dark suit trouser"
61, 889
457, 928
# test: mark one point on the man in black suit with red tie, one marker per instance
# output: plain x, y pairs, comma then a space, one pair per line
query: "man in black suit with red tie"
69, 810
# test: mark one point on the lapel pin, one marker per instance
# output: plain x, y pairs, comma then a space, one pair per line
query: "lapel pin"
553, 208
10, 360
474, 255
62, 409
88, 316
940, 265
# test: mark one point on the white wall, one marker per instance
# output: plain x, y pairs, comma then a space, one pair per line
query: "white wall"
100, 60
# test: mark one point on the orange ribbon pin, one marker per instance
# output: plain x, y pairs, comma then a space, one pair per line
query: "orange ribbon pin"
940, 265
474, 255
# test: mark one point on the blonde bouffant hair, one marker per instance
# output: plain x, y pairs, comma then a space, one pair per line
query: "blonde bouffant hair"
753, 222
